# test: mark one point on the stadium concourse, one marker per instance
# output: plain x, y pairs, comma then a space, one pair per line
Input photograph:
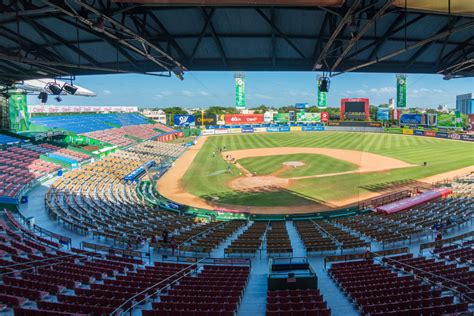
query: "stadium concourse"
100, 240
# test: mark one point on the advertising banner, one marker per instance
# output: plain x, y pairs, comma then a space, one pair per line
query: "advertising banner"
355, 124
206, 120
442, 135
467, 137
183, 120
324, 116
281, 118
301, 106
413, 119
401, 91
470, 122
284, 129
430, 133
267, 117
295, 128
221, 131
240, 93
308, 117
455, 136
407, 131
319, 128
291, 116
208, 131
247, 130
393, 130
260, 129
307, 128
418, 133
273, 129
220, 119
383, 114
322, 97
237, 119
19, 118
235, 130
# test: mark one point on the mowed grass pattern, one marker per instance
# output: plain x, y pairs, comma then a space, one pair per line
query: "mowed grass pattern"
313, 165
207, 178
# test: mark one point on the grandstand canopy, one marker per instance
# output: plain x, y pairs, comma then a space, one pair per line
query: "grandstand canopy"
41, 38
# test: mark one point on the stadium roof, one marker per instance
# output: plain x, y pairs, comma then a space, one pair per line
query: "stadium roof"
42, 38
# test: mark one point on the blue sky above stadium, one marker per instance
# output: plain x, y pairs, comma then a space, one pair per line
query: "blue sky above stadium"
203, 89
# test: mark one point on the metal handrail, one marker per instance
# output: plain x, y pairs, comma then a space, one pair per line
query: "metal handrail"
432, 274
147, 296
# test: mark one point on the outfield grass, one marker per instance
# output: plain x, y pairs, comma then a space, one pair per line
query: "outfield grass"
206, 177
313, 165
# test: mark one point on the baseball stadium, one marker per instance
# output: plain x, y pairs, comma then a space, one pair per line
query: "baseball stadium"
331, 206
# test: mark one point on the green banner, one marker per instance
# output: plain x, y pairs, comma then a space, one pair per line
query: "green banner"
308, 117
322, 98
401, 91
281, 118
18, 111
240, 93
458, 119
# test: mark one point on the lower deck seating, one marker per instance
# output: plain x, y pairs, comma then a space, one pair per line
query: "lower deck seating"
216, 290
296, 302
377, 290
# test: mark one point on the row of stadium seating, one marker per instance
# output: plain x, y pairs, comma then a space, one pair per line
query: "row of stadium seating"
461, 253
89, 122
20, 168
296, 302
40, 279
343, 238
313, 238
125, 136
377, 290
278, 241
9, 140
250, 241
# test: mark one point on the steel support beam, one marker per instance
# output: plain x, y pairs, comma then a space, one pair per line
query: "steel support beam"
347, 17
361, 33
410, 47
219, 46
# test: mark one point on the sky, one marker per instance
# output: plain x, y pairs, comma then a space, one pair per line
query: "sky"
203, 89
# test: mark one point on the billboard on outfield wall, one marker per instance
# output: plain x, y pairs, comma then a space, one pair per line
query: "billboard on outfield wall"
184, 120
208, 132
308, 117
419, 119
267, 117
324, 116
237, 119
235, 130
273, 129
248, 130
220, 119
407, 131
221, 131
206, 120
260, 129
281, 118
470, 121
295, 128
383, 114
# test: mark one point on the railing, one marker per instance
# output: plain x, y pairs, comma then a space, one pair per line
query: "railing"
436, 277
445, 241
115, 251
365, 255
134, 303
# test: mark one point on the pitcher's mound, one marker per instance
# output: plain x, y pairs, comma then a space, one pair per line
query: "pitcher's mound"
293, 164
263, 183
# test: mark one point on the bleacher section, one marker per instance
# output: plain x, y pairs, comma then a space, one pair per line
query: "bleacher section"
296, 302
85, 123
20, 168
40, 279
96, 199
9, 140
126, 136
377, 290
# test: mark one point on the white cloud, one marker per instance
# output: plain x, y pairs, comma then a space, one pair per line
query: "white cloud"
107, 92
166, 93
262, 96
204, 93
158, 96
187, 93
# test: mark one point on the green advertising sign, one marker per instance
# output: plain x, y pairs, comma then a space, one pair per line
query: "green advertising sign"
401, 91
308, 117
240, 93
322, 97
281, 118
18, 111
